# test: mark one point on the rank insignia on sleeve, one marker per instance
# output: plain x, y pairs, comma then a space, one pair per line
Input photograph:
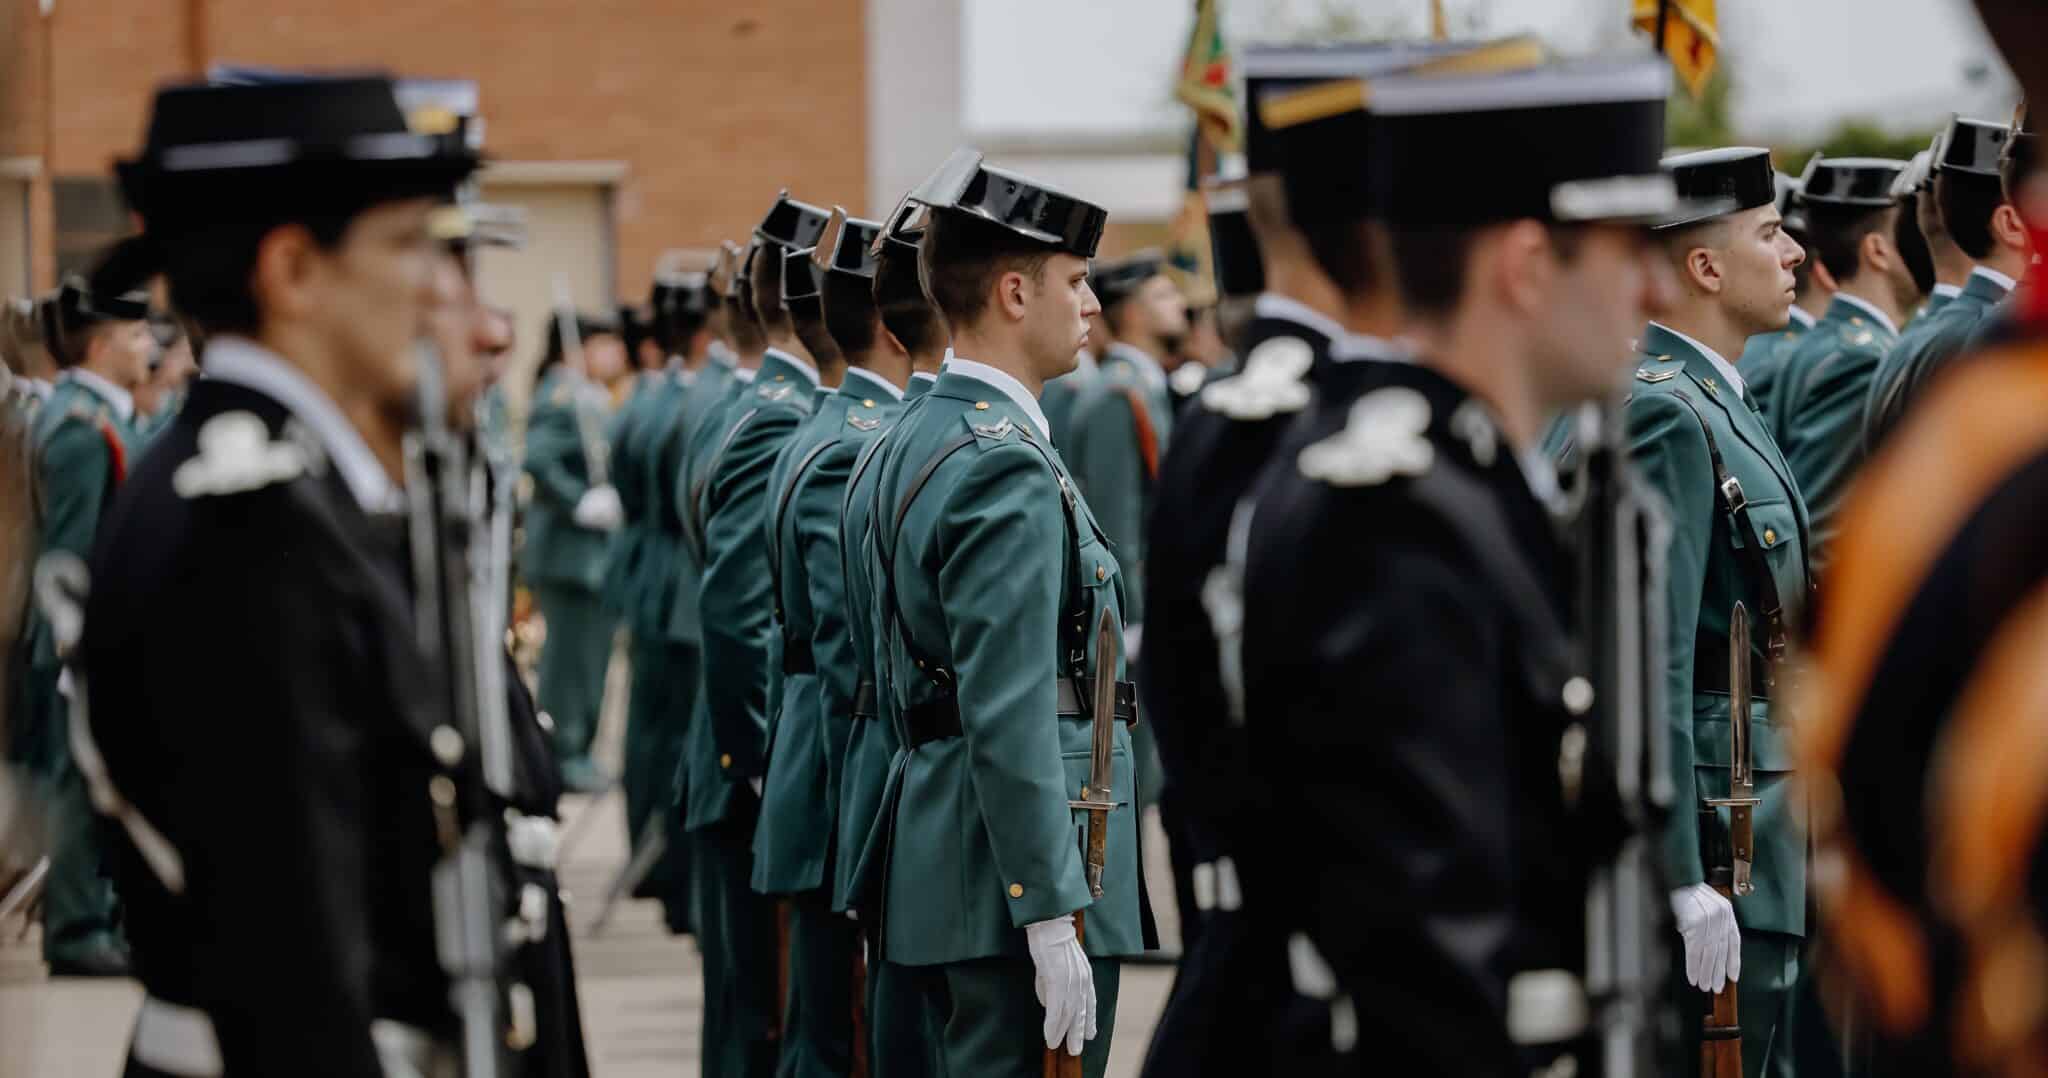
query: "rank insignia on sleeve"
857, 423
774, 392
1000, 429
1644, 374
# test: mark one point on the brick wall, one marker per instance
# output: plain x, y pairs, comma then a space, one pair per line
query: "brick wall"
712, 106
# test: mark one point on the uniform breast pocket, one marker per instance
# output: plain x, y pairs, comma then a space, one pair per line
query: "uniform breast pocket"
1774, 526
1102, 578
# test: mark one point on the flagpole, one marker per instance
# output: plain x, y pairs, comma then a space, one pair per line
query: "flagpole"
1437, 29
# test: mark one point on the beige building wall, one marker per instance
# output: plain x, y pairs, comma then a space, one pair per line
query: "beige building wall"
569, 233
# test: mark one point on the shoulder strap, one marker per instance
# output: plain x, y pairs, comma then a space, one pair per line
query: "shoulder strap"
703, 482
796, 478
886, 541
1735, 507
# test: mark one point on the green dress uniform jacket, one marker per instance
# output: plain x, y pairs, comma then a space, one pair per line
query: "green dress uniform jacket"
789, 851
82, 450
1820, 408
992, 573
1682, 414
1762, 363
703, 792
624, 547
1121, 423
807, 745
1934, 338
1689, 430
557, 549
871, 741
730, 492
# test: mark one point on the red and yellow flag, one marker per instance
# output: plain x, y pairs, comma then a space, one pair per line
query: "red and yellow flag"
1691, 38
1206, 82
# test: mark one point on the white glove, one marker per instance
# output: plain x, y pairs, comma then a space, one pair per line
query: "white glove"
1065, 984
1713, 945
599, 510
757, 785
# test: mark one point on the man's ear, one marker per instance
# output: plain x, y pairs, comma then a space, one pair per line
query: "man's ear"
888, 339
1517, 265
1013, 291
284, 264
1702, 271
1877, 250
2009, 227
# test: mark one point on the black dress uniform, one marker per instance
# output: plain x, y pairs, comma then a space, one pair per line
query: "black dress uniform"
269, 727
1192, 682
1409, 676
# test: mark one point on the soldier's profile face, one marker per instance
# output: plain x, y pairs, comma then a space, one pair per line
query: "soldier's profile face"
375, 290
1756, 257
1163, 308
129, 347
1058, 306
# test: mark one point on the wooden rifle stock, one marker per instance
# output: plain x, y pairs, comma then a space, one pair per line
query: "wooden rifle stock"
1721, 1036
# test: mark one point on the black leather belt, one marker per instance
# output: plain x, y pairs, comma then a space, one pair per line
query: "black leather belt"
939, 718
797, 658
1710, 668
864, 700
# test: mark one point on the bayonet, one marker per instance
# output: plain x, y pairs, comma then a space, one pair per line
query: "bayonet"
1098, 798
1741, 801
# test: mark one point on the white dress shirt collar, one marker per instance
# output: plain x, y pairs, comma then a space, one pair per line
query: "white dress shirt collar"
1870, 309
1721, 365
875, 381
1286, 309
122, 400
802, 365
1995, 277
927, 376
242, 362
1800, 316
1949, 290
1148, 368
1003, 383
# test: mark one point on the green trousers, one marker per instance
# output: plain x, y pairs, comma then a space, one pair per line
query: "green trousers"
78, 900
664, 686
572, 665
817, 1014
902, 1040
991, 1024
736, 936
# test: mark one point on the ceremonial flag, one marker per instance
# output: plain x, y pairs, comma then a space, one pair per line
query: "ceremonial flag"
1691, 39
1207, 82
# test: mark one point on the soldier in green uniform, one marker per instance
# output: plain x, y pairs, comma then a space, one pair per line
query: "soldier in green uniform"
664, 668
1818, 412
795, 843
1122, 421
992, 573
1739, 534
729, 503
1989, 231
1763, 356
83, 437
171, 372
900, 1042
574, 510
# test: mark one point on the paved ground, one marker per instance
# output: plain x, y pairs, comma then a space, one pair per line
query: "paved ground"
641, 992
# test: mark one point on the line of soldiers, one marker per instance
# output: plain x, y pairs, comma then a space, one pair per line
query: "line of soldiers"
1471, 763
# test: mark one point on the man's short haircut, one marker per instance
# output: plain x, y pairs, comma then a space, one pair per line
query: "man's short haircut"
850, 313
906, 311
1968, 202
1838, 233
767, 289
807, 318
1434, 260
965, 255
1347, 251
743, 325
1912, 244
